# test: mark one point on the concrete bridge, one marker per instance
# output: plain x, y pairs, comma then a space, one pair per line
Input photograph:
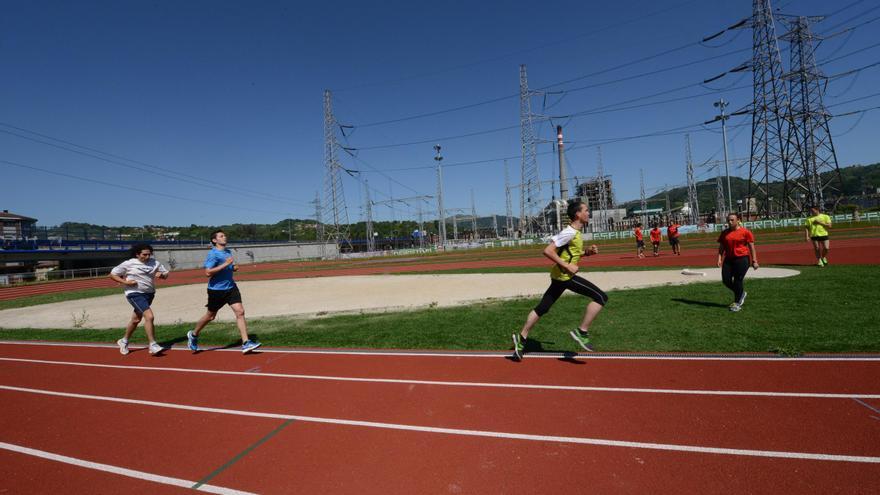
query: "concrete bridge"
86, 254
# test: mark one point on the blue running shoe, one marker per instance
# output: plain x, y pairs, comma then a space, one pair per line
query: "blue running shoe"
249, 346
192, 340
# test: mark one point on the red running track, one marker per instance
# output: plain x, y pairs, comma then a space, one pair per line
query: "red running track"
378, 456
847, 251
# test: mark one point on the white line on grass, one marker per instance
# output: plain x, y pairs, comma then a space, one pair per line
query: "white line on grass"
131, 473
471, 433
493, 355
576, 388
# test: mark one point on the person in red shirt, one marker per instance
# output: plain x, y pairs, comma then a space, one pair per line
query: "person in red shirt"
736, 251
672, 234
656, 237
640, 240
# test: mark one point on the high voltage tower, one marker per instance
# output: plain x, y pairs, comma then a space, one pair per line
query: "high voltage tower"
406, 201
770, 160
508, 222
530, 193
336, 228
455, 212
319, 225
808, 127
474, 215
720, 203
644, 200
603, 192
693, 199
368, 212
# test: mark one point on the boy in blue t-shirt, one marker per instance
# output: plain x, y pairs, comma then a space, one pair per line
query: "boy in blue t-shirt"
219, 265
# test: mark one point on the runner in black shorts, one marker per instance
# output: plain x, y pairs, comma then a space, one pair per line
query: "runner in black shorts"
565, 249
222, 290
817, 227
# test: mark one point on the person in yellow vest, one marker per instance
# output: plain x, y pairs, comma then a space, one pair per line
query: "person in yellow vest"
565, 249
816, 231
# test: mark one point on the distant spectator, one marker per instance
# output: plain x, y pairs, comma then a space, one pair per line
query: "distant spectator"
672, 235
640, 241
816, 231
656, 237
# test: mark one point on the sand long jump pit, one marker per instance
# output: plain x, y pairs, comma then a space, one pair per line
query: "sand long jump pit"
315, 297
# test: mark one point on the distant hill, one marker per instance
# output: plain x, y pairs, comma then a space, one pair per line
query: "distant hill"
857, 179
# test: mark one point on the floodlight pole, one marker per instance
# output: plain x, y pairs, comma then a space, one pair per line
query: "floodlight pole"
442, 227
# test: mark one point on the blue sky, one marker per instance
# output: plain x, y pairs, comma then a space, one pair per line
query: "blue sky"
212, 111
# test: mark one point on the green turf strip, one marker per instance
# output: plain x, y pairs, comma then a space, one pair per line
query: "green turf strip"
832, 309
58, 297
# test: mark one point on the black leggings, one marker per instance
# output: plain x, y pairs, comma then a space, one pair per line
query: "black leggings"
733, 271
575, 284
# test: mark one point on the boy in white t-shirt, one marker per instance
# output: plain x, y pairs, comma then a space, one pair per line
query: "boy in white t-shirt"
138, 275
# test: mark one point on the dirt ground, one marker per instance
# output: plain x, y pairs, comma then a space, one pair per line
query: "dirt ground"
314, 297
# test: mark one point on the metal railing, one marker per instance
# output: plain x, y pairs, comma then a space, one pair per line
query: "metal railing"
24, 278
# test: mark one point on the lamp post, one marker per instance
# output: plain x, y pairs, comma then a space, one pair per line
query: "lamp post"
721, 104
441, 228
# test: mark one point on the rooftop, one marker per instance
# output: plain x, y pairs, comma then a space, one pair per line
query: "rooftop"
5, 215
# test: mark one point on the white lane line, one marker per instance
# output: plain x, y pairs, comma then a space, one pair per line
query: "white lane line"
131, 473
470, 433
493, 355
402, 381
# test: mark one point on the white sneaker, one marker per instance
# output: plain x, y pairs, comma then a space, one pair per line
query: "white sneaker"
155, 348
123, 346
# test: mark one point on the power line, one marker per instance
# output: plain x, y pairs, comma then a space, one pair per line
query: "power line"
128, 187
603, 71
572, 90
610, 107
653, 72
852, 100
351, 153
603, 109
860, 50
853, 18
153, 169
592, 32
567, 81
845, 7
853, 71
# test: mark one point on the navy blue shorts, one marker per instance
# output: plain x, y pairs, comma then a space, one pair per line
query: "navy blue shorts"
140, 301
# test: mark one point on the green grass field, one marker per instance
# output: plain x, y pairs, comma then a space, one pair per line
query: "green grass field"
830, 310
